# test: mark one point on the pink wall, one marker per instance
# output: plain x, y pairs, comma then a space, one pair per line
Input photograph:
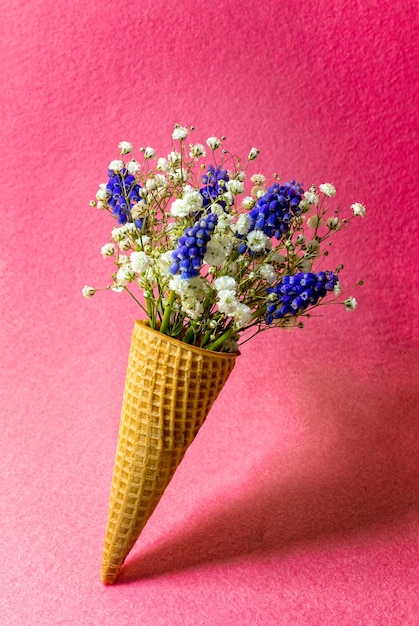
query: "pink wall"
328, 92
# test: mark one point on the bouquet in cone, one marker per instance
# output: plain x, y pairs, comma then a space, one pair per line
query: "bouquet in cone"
212, 254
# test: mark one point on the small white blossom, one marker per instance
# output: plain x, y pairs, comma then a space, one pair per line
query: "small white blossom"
350, 303
223, 283
174, 157
235, 187
125, 275
213, 143
102, 193
196, 150
311, 196
118, 234
257, 240
139, 210
253, 154
314, 222
107, 250
333, 223
180, 133
149, 153
328, 189
133, 167
116, 166
248, 203
125, 147
227, 301
125, 244
241, 175
88, 292
358, 209
192, 307
242, 315
337, 289
215, 253
267, 272
162, 164
140, 262
258, 179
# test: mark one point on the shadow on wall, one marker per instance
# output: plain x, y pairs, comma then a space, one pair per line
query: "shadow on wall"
363, 476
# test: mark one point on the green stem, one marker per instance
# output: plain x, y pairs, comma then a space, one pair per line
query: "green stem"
167, 312
221, 339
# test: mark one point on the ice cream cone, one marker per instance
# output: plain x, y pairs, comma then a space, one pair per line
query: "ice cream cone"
169, 389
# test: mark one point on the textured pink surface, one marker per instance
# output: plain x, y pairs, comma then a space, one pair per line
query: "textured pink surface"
297, 502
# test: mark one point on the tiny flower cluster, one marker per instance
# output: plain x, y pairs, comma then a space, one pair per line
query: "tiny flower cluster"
207, 267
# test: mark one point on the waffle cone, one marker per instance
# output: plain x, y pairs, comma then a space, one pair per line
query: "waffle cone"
169, 390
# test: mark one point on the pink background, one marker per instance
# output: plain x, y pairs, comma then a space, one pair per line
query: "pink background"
296, 503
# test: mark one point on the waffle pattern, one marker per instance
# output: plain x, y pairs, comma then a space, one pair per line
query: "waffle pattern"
169, 390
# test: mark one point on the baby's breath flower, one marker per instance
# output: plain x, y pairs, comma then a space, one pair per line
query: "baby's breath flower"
125, 275
311, 196
140, 262
333, 223
223, 283
196, 150
314, 222
133, 167
253, 154
215, 253
227, 302
257, 240
213, 143
248, 203
116, 166
125, 244
125, 147
149, 153
174, 157
337, 289
235, 187
162, 164
268, 272
358, 209
258, 179
180, 133
242, 315
350, 303
328, 189
107, 250
88, 292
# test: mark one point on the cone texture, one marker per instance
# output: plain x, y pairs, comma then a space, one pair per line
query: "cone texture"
169, 390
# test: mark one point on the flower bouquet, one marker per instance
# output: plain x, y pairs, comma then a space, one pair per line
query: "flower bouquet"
212, 256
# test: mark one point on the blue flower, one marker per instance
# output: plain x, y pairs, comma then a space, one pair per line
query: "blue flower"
191, 248
295, 293
215, 185
123, 192
274, 211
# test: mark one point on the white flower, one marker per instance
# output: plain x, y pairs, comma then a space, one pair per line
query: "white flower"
162, 164
174, 158
258, 179
328, 189
213, 143
337, 289
180, 133
314, 222
350, 303
117, 288
253, 154
140, 262
196, 150
248, 203
133, 167
125, 147
88, 292
139, 210
149, 153
125, 275
125, 244
116, 166
227, 302
311, 197
107, 250
192, 307
358, 209
225, 283
118, 234
242, 315
102, 193
179, 285
215, 253
257, 240
235, 187
267, 272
